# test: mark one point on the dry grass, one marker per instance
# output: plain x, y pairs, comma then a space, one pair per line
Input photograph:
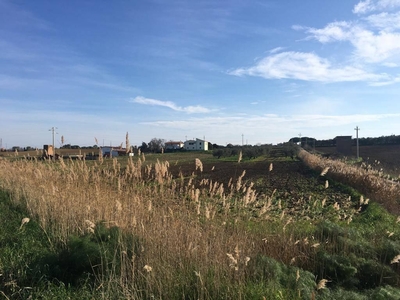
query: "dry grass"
369, 181
167, 214
188, 227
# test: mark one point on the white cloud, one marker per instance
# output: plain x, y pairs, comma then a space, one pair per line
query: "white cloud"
363, 7
275, 50
387, 82
272, 121
366, 6
374, 42
390, 65
368, 46
385, 21
171, 105
376, 47
336, 31
304, 66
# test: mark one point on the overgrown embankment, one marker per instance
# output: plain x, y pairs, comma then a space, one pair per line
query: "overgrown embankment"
131, 230
367, 181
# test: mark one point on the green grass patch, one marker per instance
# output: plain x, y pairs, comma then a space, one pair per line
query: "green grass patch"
25, 266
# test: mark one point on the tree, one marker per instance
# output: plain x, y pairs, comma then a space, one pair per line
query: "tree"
144, 148
218, 152
290, 149
155, 145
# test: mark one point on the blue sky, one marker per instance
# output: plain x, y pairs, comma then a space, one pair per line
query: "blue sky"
267, 69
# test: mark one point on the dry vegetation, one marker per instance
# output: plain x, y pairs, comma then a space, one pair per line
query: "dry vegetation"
372, 182
189, 235
384, 158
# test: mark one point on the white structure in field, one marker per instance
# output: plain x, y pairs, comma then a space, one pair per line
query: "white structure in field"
109, 151
198, 144
174, 145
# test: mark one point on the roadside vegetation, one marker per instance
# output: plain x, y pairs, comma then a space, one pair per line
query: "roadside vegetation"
192, 226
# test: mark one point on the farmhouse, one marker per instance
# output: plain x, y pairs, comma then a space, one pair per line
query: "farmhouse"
198, 144
109, 151
171, 145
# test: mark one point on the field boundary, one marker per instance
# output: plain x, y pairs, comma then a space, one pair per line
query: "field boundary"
366, 181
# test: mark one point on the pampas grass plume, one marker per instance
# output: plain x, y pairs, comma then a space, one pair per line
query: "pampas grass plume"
322, 284
396, 259
24, 221
199, 164
324, 171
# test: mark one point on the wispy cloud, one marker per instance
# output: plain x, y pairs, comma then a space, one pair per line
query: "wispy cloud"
370, 46
335, 31
171, 105
366, 6
385, 21
374, 43
305, 66
274, 120
276, 50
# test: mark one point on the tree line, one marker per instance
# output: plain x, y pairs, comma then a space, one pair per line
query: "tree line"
251, 152
368, 141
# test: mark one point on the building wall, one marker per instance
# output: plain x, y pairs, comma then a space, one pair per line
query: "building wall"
174, 146
343, 145
107, 150
196, 145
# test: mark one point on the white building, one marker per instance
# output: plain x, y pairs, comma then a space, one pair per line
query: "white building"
198, 144
109, 151
174, 145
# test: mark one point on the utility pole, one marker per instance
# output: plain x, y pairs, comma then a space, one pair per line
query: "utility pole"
242, 139
358, 149
53, 132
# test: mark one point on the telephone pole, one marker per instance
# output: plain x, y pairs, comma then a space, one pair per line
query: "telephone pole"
358, 149
53, 132
242, 139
